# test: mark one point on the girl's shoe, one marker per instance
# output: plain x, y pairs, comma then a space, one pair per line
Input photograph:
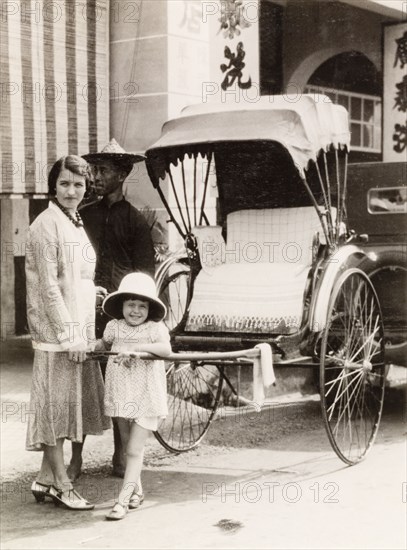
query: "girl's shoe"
136, 500
118, 511
40, 491
67, 499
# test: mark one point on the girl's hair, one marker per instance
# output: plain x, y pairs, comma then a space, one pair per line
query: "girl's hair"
125, 297
74, 164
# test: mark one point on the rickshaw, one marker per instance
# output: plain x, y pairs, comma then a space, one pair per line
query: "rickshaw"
277, 264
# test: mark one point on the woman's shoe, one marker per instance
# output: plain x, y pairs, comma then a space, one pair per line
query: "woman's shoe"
118, 511
40, 491
67, 499
136, 500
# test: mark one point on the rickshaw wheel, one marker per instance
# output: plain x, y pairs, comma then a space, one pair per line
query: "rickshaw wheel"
194, 393
352, 367
173, 292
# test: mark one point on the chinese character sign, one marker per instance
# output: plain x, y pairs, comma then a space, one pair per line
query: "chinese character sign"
187, 54
234, 50
395, 93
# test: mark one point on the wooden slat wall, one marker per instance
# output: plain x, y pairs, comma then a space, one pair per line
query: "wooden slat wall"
54, 87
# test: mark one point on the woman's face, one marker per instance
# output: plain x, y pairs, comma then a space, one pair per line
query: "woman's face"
70, 189
135, 312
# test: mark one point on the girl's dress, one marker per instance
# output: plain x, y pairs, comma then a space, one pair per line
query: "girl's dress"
137, 392
66, 397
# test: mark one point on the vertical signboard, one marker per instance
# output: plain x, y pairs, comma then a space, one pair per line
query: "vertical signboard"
395, 92
234, 50
188, 57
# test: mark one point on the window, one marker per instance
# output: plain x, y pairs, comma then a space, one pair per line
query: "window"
387, 200
365, 116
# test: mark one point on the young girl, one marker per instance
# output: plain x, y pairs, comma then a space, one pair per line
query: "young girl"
135, 389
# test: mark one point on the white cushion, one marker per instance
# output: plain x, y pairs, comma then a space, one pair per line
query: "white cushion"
278, 235
257, 283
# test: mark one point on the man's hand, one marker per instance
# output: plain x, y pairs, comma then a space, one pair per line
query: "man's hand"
101, 290
101, 294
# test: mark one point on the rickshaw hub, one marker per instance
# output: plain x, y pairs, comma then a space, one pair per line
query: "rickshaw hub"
366, 365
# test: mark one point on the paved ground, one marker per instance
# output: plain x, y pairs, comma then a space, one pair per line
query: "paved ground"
266, 480
15, 379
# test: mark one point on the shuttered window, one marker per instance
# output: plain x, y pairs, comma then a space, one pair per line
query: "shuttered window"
54, 87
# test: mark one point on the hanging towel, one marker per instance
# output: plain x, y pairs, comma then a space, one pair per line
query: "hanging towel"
263, 374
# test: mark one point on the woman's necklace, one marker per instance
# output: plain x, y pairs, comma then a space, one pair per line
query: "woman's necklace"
77, 222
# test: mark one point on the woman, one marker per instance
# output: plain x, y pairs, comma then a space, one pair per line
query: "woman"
66, 393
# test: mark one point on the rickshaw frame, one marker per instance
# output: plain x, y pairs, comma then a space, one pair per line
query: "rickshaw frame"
341, 329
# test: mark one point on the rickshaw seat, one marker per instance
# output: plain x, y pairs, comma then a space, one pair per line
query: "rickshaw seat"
255, 281
272, 235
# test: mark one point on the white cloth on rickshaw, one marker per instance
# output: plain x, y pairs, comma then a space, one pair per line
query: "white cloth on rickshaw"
263, 374
258, 285
248, 298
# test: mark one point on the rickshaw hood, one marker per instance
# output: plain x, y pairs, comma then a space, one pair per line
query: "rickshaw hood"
304, 125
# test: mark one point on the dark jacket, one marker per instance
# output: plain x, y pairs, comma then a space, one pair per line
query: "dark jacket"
122, 240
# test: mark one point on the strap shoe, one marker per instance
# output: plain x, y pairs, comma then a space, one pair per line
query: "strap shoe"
40, 491
70, 499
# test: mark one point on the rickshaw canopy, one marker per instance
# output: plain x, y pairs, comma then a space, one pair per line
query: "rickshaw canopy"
304, 125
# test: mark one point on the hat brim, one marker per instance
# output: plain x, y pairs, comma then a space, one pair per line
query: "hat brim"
95, 158
113, 305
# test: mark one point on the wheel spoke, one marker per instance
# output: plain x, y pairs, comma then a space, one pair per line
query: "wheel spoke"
346, 388
193, 391
174, 293
352, 397
363, 346
193, 397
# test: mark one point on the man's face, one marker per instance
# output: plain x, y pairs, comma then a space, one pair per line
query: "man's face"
108, 178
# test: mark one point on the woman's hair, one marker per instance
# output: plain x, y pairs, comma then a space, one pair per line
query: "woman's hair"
74, 164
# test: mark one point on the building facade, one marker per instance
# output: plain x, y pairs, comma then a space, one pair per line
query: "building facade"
75, 74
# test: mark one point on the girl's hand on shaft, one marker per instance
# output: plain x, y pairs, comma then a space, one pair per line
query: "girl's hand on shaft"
126, 359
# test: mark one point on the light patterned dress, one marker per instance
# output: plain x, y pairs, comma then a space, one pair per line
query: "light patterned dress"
66, 398
138, 391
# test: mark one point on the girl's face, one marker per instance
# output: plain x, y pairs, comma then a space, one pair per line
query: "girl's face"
135, 312
70, 189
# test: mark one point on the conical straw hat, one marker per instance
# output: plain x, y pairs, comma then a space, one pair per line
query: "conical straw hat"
113, 151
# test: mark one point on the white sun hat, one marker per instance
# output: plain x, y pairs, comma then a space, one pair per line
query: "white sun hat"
140, 286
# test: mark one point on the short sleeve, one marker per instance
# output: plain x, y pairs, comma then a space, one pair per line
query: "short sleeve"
160, 333
110, 332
